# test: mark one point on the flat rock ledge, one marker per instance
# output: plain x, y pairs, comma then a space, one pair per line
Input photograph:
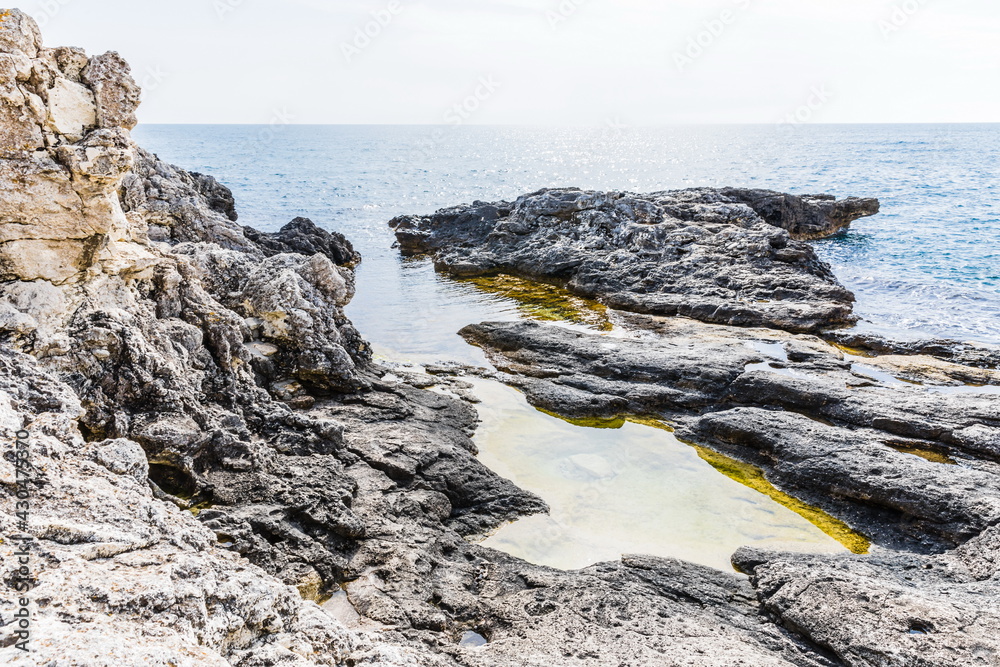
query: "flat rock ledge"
726, 256
900, 447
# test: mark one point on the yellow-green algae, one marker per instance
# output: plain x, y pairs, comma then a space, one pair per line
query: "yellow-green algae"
925, 452
610, 422
543, 301
854, 351
754, 478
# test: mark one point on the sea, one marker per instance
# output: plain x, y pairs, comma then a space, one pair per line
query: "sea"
927, 266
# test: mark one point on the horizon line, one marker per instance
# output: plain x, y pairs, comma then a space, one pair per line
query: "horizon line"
578, 126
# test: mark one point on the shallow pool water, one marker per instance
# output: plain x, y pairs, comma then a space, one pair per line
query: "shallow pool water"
633, 489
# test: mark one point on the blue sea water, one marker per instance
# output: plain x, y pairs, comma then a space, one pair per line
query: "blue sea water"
928, 265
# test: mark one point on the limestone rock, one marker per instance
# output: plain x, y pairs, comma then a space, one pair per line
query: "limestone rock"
115, 92
886, 609
805, 217
302, 236
19, 34
72, 109
164, 340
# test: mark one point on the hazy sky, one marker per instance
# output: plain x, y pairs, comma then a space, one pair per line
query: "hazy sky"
575, 62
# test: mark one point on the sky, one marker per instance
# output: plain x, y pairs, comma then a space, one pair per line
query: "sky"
546, 62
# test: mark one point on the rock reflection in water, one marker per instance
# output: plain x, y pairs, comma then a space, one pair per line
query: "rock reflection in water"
633, 489
544, 302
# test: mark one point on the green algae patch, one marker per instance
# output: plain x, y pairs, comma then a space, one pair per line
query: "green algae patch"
754, 478
196, 509
610, 422
613, 423
853, 351
544, 302
931, 454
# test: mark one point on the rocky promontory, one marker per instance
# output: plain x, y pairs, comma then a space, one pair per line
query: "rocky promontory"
217, 472
725, 256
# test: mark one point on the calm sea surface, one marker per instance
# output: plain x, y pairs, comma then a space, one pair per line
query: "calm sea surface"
928, 265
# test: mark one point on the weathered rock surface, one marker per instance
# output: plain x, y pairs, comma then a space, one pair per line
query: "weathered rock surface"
165, 359
215, 455
818, 424
182, 354
888, 609
967, 355
913, 467
723, 256
122, 578
806, 217
302, 236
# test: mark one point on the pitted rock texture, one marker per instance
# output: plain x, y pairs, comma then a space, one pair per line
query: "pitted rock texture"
122, 578
888, 609
794, 405
216, 455
302, 236
806, 217
703, 253
185, 354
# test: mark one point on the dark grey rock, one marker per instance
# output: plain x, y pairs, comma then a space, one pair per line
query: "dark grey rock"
887, 608
218, 197
968, 354
700, 253
805, 217
302, 236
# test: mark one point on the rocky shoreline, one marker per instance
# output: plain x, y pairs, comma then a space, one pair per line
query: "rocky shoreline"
222, 475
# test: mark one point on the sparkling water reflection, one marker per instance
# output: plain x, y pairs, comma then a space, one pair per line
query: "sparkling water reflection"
928, 263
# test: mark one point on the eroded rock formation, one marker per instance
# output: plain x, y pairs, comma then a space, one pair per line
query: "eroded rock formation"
898, 446
161, 356
222, 476
724, 256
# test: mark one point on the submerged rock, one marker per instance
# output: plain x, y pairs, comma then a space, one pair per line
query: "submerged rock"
724, 256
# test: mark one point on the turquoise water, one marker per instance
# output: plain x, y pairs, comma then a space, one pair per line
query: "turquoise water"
929, 264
